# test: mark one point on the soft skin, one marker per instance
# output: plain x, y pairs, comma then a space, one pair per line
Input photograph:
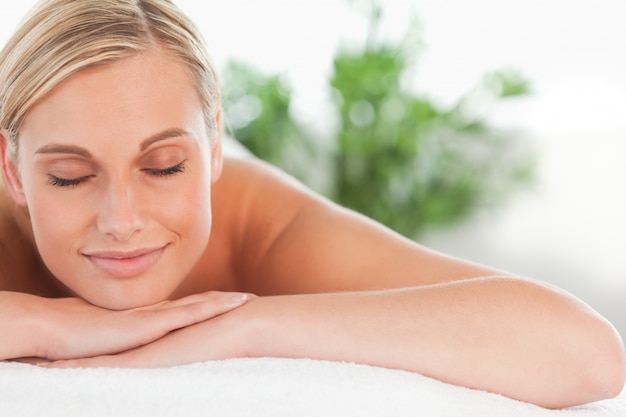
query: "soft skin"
111, 129
332, 284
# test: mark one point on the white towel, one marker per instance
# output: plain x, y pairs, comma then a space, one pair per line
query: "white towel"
257, 387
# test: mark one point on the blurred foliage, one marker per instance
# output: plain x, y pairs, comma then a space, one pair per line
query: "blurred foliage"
397, 156
257, 106
257, 114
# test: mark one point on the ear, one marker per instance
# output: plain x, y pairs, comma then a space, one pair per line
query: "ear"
217, 158
9, 172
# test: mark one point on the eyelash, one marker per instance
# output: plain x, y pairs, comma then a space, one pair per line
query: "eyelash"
176, 169
74, 182
64, 182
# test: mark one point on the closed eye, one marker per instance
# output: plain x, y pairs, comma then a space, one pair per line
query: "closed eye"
74, 182
176, 169
67, 182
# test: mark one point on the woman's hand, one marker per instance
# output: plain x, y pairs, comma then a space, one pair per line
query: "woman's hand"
71, 328
227, 336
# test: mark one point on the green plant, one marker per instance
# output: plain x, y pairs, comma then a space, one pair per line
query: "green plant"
257, 106
397, 157
257, 114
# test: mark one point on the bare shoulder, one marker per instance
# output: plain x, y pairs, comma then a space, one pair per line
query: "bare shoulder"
253, 203
246, 182
291, 240
20, 267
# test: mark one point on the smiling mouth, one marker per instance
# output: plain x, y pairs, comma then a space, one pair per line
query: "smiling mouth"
126, 264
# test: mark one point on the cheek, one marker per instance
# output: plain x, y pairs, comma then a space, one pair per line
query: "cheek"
58, 229
188, 213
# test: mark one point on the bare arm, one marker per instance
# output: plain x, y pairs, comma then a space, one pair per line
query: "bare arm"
507, 336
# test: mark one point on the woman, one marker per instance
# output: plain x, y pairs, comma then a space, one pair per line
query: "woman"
129, 240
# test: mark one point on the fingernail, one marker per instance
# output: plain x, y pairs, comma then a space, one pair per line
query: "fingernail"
238, 298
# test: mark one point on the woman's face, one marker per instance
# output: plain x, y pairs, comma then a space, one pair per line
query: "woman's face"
115, 167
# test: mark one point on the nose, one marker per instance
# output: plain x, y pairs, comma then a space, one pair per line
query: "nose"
119, 213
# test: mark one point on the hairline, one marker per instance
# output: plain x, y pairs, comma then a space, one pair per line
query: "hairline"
156, 30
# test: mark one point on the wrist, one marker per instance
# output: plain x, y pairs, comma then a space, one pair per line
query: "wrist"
22, 325
281, 327
258, 329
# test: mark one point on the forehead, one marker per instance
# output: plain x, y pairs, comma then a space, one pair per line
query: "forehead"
131, 97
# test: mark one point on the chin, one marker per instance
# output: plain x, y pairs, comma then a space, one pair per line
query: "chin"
114, 293
125, 300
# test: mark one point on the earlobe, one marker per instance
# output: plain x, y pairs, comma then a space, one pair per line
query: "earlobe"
10, 174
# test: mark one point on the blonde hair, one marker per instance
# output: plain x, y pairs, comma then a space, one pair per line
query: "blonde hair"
60, 37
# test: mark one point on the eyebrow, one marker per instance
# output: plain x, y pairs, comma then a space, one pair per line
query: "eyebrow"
166, 134
53, 148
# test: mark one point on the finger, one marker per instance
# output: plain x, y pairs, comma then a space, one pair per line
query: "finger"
157, 323
209, 296
191, 313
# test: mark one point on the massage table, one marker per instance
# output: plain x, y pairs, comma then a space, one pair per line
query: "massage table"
271, 387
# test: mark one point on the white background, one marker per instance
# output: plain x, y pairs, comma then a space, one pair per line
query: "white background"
570, 228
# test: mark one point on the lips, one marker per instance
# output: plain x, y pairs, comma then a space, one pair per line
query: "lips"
126, 264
